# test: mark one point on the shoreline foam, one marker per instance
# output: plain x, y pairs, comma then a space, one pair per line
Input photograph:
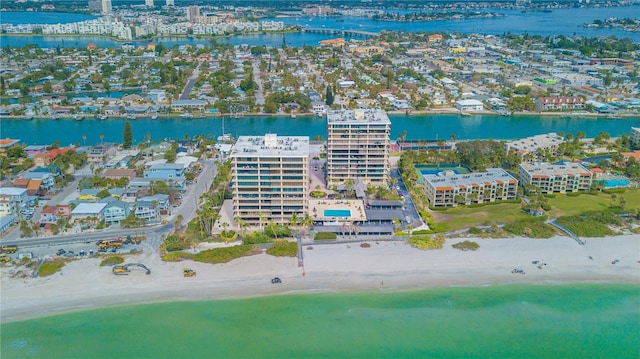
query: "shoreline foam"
334, 268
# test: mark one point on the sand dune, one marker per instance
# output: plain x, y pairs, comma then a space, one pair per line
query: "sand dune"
385, 266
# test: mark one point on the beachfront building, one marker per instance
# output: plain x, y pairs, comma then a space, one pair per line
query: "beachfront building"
555, 178
535, 148
635, 137
270, 178
451, 190
470, 105
358, 146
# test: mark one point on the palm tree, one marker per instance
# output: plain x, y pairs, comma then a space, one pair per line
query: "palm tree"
101, 135
242, 224
294, 220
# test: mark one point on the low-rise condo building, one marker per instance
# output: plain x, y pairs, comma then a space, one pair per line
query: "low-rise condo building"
358, 146
451, 190
552, 178
635, 137
270, 178
535, 148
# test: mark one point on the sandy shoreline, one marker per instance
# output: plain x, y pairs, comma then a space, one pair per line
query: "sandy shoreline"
387, 266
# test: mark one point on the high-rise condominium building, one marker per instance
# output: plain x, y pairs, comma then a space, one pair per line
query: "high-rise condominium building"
106, 7
358, 146
270, 178
193, 12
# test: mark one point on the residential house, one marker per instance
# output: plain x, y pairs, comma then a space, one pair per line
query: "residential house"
115, 211
32, 150
469, 105
167, 172
88, 210
151, 207
130, 174
47, 178
16, 196
6, 208
100, 153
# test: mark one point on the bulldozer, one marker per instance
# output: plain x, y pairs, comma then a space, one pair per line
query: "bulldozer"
188, 272
4, 258
9, 249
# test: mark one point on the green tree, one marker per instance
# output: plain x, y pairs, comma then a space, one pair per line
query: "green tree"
329, 96
127, 136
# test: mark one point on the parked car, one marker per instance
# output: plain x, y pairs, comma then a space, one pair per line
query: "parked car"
276, 280
61, 252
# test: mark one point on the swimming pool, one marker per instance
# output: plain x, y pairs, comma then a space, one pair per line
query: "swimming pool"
337, 213
615, 183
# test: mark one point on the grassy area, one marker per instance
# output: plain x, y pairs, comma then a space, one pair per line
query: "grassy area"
50, 267
465, 217
572, 205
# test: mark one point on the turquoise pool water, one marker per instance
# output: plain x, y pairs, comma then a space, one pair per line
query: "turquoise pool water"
613, 183
337, 213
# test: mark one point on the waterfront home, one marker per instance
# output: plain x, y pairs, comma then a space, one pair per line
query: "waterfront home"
157, 96
469, 105
115, 211
151, 207
188, 105
560, 103
100, 153
32, 150
88, 210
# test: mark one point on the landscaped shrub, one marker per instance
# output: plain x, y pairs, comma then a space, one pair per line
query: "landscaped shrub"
318, 194
111, 261
50, 267
325, 236
278, 231
228, 235
174, 242
466, 246
425, 242
282, 248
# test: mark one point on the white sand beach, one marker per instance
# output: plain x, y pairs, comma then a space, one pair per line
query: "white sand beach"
385, 266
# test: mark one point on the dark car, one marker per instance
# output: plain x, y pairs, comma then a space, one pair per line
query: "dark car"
276, 280
61, 252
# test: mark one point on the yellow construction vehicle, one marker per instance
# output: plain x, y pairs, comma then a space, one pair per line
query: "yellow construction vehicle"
4, 258
120, 269
9, 249
188, 272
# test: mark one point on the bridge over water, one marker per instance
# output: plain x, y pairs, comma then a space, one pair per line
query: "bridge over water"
343, 33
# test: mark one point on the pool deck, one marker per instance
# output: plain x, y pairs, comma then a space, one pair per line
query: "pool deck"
355, 206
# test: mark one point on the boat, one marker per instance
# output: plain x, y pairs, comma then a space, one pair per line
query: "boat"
29, 118
78, 117
293, 115
56, 117
131, 116
102, 117
154, 116
462, 113
186, 115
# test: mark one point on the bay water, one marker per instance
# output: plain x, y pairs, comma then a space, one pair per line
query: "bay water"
419, 126
512, 321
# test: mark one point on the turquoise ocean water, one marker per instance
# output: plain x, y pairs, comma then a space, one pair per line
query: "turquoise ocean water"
535, 321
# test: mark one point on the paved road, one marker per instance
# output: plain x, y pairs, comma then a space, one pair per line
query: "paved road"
410, 209
190, 84
154, 233
258, 79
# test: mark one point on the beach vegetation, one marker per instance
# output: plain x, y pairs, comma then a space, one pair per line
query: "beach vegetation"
592, 224
278, 231
427, 242
283, 248
228, 235
111, 261
325, 236
174, 242
466, 246
256, 238
530, 227
214, 255
50, 267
